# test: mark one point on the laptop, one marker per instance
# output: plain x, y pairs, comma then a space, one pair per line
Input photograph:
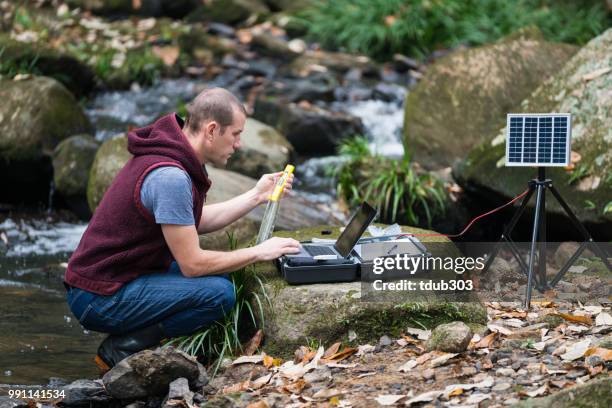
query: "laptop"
312, 253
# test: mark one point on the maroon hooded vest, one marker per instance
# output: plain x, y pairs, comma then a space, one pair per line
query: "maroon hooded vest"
122, 241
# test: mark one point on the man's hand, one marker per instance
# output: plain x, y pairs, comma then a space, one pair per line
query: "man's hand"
275, 247
265, 186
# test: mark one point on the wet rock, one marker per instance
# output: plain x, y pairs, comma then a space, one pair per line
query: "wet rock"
179, 394
72, 160
502, 273
272, 46
149, 372
317, 87
7, 402
35, 115
464, 97
311, 130
565, 251
451, 337
263, 150
72, 73
312, 61
85, 393
385, 341
578, 88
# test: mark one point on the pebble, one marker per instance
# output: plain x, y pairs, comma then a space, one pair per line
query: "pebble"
384, 341
505, 372
516, 366
428, 373
594, 361
469, 371
522, 371
504, 362
511, 401
501, 386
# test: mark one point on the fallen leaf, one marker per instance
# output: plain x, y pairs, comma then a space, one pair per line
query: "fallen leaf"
604, 353
593, 309
408, 366
596, 74
514, 323
258, 404
535, 393
576, 318
576, 350
419, 333
327, 393
543, 303
364, 349
315, 360
293, 371
249, 359
499, 329
484, 342
593, 371
254, 343
424, 397
603, 319
168, 54
425, 357
477, 399
441, 360
452, 390
270, 361
577, 329
333, 349
339, 365
455, 392
389, 399
295, 387
261, 381
347, 352
238, 387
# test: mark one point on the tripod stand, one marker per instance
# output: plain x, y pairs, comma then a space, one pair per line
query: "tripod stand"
538, 238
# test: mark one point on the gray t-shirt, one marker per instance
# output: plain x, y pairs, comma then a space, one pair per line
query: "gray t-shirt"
166, 193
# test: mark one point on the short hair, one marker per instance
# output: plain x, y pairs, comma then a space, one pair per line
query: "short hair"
216, 104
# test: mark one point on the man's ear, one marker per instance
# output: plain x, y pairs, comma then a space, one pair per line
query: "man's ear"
210, 129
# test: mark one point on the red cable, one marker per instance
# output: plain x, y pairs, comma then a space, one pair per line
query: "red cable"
471, 222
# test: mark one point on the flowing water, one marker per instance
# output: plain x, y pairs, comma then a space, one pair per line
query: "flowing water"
39, 336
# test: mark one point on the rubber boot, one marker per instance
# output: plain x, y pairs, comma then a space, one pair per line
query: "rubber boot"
115, 348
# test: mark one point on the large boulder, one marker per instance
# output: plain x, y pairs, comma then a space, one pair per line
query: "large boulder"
72, 160
464, 97
594, 393
75, 75
35, 115
581, 88
330, 311
310, 129
264, 150
295, 212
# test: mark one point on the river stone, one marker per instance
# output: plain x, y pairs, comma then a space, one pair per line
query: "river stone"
339, 62
72, 73
8, 402
464, 97
149, 372
310, 129
452, 337
593, 394
35, 115
263, 150
582, 88
295, 212
85, 393
72, 160
329, 311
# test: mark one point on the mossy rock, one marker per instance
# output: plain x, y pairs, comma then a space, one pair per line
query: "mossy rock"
593, 394
41, 60
110, 158
264, 150
72, 160
326, 312
589, 101
464, 97
35, 115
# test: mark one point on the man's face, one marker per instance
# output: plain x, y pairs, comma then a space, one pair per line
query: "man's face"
223, 145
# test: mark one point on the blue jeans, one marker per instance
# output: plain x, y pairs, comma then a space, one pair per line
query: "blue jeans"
182, 305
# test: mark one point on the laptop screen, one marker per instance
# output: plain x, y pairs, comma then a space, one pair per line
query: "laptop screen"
355, 229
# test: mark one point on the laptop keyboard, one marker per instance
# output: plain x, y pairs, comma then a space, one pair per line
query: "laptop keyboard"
319, 250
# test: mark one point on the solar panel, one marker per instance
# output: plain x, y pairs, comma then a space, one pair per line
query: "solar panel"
538, 139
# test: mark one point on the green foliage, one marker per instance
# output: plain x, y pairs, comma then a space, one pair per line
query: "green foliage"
380, 28
10, 67
224, 338
399, 191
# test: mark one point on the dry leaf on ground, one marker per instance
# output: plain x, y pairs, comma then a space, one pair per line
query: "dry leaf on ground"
333, 349
258, 358
576, 350
389, 399
254, 343
604, 353
603, 319
576, 318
